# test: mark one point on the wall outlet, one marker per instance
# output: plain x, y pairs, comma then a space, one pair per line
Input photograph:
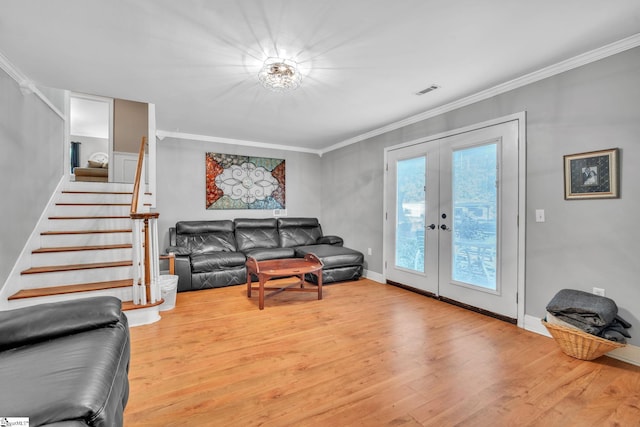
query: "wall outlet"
598, 291
369, 251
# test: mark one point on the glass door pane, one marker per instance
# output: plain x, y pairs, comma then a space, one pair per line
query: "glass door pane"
410, 210
475, 207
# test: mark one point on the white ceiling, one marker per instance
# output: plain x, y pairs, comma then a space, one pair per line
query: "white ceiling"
363, 60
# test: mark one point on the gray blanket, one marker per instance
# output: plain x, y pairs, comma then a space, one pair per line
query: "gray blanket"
589, 312
616, 331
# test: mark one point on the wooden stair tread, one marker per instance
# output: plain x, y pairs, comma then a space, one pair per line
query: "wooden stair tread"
69, 289
100, 192
129, 305
81, 248
96, 192
73, 267
96, 204
88, 217
92, 204
62, 232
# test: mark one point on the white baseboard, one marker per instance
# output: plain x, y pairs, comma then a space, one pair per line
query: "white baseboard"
372, 275
629, 353
534, 324
142, 316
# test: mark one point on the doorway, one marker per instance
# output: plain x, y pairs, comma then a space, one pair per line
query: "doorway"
91, 136
105, 136
453, 203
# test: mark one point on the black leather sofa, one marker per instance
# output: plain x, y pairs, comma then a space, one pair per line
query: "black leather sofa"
212, 254
65, 364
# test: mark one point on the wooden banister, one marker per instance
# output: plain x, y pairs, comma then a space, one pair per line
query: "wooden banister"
146, 231
136, 183
145, 241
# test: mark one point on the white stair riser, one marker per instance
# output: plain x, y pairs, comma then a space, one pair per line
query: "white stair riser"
80, 257
90, 224
93, 239
97, 186
94, 198
76, 277
124, 294
90, 210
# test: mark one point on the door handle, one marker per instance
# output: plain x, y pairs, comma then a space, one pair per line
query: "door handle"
431, 226
444, 227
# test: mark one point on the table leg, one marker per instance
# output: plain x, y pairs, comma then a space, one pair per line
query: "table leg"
319, 275
248, 284
261, 292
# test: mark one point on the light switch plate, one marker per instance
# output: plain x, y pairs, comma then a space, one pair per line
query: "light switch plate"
539, 215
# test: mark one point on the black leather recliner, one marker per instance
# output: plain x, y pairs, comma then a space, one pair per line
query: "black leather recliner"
207, 255
65, 363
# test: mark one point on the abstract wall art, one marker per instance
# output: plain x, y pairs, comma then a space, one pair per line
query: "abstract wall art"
244, 182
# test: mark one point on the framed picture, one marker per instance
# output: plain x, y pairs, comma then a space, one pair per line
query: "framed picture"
592, 175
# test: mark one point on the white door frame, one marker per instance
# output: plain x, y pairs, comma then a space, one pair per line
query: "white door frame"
521, 118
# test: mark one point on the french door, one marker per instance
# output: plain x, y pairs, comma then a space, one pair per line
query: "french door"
452, 217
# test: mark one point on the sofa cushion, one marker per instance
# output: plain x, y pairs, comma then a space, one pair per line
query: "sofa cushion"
330, 240
207, 262
298, 231
332, 256
256, 233
262, 254
206, 236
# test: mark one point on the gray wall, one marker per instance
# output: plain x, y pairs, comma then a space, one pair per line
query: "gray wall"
583, 243
181, 183
31, 165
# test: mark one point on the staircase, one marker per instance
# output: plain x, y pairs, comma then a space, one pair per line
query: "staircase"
85, 250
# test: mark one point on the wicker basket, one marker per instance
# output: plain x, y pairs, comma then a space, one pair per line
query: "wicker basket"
579, 344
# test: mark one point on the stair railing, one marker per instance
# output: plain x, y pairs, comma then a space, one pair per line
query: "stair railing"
146, 256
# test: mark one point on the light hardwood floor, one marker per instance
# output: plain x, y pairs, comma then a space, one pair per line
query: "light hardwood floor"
368, 354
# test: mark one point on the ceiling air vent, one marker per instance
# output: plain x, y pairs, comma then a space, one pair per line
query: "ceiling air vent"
427, 90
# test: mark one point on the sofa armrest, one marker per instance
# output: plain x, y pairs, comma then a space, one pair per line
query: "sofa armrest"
330, 240
183, 271
42, 322
178, 250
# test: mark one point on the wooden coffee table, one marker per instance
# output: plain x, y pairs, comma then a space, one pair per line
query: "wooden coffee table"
281, 268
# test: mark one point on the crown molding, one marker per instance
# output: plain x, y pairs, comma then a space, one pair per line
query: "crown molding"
162, 134
12, 71
27, 87
552, 70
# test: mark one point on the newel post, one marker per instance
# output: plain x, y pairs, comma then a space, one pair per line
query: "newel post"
148, 252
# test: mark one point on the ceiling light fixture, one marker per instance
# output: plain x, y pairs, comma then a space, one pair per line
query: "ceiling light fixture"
280, 75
